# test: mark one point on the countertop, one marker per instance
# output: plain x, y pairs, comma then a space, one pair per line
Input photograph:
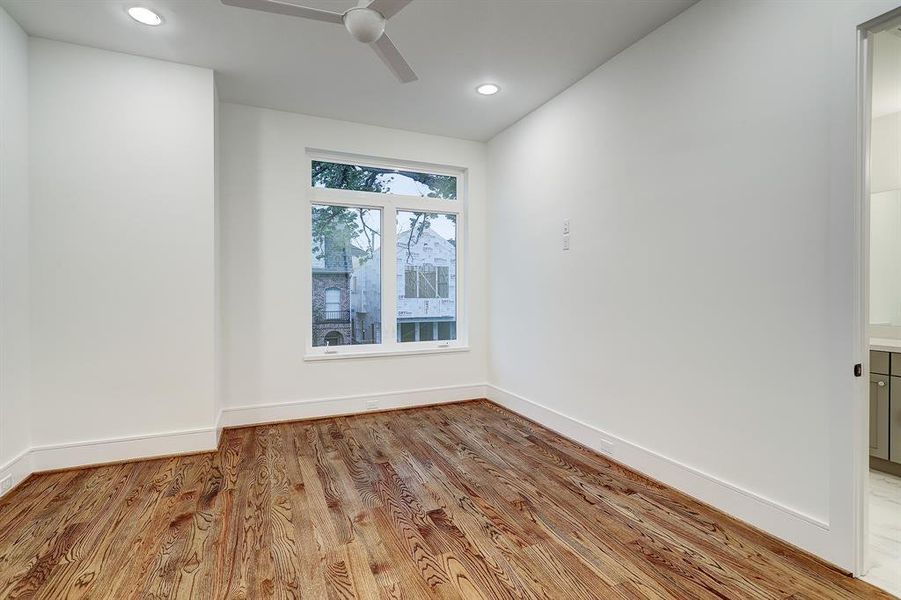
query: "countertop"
885, 344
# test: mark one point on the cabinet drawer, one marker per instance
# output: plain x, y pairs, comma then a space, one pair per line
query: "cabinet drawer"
879, 363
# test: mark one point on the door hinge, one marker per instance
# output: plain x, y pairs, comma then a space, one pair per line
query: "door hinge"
858, 370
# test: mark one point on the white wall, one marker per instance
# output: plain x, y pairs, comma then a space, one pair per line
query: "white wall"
885, 264
703, 320
15, 419
266, 283
885, 186
885, 152
123, 261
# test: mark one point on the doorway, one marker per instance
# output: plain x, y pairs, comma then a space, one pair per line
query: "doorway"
878, 493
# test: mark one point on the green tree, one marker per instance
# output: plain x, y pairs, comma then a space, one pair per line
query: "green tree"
372, 179
341, 226
338, 228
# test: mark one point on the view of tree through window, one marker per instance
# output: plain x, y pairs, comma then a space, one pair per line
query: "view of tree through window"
353, 206
383, 181
427, 275
347, 295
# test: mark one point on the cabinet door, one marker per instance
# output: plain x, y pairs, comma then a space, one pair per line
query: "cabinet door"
879, 362
894, 420
879, 414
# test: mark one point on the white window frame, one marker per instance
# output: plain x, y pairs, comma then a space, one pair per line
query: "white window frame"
389, 205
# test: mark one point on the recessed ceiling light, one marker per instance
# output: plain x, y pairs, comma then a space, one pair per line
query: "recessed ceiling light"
144, 16
488, 89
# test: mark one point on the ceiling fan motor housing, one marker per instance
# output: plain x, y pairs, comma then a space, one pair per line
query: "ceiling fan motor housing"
365, 24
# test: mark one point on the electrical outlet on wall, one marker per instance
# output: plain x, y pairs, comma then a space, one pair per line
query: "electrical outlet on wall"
371, 404
606, 447
6, 484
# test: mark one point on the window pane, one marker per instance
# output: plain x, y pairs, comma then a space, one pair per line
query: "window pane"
383, 181
427, 256
347, 285
332, 303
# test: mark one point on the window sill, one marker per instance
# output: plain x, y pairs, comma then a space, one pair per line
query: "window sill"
313, 357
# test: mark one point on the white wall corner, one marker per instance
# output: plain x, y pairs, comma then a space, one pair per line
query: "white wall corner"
220, 419
793, 526
18, 469
347, 405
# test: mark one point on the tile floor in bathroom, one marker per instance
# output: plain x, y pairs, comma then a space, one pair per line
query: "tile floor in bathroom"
885, 532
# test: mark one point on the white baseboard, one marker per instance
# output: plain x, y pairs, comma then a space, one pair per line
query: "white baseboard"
219, 426
233, 416
18, 468
794, 526
805, 531
92, 452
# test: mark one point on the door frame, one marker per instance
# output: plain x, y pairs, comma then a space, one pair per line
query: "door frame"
860, 424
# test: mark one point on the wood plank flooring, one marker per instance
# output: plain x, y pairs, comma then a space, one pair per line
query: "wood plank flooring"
455, 501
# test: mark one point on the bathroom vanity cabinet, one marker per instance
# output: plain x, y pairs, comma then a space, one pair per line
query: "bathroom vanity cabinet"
885, 410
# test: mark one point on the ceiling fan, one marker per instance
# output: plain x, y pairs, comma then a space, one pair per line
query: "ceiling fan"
365, 22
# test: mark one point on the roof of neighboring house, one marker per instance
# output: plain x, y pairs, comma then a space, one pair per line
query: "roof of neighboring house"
427, 235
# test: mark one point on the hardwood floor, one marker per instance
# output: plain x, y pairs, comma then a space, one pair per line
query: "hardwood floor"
456, 501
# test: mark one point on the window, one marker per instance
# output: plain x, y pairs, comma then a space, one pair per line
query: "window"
427, 247
346, 270
426, 281
351, 207
441, 274
332, 303
411, 285
406, 332
446, 330
380, 180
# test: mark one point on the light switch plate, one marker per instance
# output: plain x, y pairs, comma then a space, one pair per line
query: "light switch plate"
565, 226
566, 242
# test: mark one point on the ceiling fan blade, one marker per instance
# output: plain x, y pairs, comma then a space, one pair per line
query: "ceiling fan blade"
392, 58
388, 8
285, 8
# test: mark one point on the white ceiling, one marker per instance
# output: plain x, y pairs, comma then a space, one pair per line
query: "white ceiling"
533, 48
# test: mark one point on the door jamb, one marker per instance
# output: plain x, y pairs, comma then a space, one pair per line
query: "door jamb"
860, 437
860, 506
